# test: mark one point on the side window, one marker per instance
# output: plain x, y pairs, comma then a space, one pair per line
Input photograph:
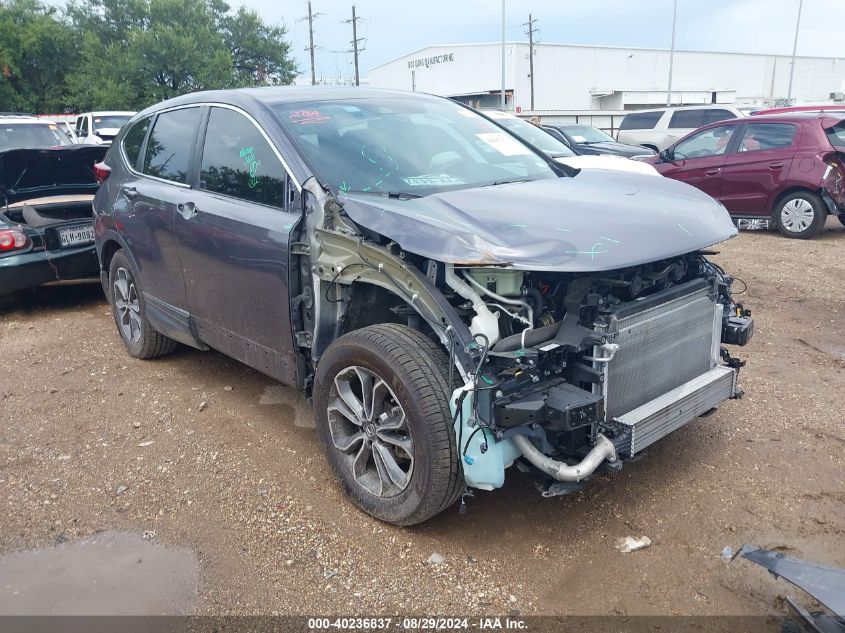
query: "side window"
238, 161
640, 121
762, 136
169, 145
715, 115
133, 140
83, 125
711, 142
691, 119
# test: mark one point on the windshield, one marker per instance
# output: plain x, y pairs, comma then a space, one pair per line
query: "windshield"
414, 146
530, 133
836, 135
30, 135
587, 134
110, 121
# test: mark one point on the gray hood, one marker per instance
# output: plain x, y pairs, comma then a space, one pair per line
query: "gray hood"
596, 220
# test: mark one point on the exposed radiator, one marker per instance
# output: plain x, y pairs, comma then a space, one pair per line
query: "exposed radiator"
665, 340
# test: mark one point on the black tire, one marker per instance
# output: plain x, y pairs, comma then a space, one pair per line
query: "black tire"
841, 217
787, 208
142, 341
416, 371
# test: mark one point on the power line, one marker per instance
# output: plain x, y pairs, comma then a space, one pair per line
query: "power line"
311, 17
355, 39
530, 33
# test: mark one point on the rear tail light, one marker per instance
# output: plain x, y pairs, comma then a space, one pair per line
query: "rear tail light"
12, 240
101, 172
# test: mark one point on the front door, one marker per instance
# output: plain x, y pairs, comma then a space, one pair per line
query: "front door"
698, 160
234, 237
758, 167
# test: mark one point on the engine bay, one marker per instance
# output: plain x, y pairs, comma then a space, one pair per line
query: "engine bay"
544, 342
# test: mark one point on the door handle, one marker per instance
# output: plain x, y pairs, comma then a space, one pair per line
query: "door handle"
775, 165
187, 209
711, 172
129, 191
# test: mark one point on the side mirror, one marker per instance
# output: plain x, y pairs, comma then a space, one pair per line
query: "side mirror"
667, 155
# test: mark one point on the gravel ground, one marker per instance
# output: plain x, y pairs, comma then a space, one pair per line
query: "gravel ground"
219, 459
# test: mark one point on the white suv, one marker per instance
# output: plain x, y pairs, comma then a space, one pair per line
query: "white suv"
24, 131
100, 127
658, 129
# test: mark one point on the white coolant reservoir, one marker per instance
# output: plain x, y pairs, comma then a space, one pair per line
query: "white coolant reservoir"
485, 322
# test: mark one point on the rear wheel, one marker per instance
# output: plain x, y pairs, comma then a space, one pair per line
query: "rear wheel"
381, 403
129, 310
800, 215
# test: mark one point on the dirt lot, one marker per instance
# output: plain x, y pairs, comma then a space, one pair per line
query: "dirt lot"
220, 460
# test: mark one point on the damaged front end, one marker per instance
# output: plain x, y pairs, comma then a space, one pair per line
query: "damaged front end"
566, 367
618, 360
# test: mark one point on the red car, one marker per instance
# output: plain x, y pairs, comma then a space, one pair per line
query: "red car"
786, 170
835, 108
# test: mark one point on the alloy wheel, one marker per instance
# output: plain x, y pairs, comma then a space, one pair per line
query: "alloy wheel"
368, 426
127, 305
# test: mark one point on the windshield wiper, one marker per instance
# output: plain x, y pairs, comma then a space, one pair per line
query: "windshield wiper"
507, 182
396, 195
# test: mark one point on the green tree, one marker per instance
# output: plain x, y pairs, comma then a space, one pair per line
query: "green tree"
260, 53
37, 51
134, 53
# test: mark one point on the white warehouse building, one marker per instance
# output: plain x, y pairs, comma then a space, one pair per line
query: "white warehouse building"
604, 78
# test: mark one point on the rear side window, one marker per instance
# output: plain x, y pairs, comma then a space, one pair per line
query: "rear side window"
640, 121
762, 136
714, 115
238, 161
169, 145
134, 139
692, 119
836, 135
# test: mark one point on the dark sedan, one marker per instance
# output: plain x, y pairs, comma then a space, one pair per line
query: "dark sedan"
589, 140
46, 231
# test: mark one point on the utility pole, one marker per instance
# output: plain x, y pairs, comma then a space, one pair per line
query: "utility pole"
794, 50
311, 17
530, 32
502, 100
355, 39
672, 54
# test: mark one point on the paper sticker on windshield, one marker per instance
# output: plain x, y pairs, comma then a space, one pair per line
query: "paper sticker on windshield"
433, 181
305, 117
504, 143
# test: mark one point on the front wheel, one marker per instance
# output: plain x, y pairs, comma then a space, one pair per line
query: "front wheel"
800, 215
381, 403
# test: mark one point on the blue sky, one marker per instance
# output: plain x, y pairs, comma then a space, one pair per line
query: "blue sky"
395, 27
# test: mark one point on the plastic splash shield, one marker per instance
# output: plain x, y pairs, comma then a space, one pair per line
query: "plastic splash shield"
483, 457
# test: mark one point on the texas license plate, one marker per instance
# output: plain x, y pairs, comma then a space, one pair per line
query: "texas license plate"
76, 236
